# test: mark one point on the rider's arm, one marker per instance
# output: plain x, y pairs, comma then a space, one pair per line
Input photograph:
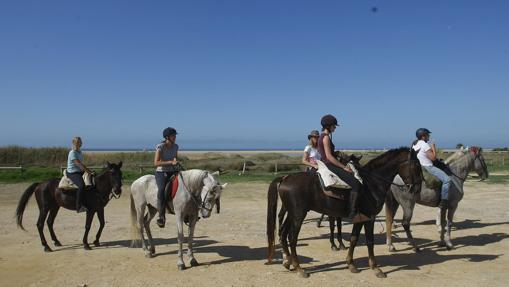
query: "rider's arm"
332, 159
432, 153
82, 166
159, 162
305, 160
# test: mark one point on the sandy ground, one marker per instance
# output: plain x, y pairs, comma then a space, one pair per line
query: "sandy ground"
231, 248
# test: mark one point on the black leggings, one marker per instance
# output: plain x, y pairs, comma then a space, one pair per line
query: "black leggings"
346, 176
162, 178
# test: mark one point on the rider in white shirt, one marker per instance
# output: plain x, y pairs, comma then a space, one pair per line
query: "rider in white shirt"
311, 153
426, 154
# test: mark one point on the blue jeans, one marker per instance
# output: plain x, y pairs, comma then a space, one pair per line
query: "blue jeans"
444, 178
77, 179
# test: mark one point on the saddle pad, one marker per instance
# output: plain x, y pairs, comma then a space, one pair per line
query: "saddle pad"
328, 177
431, 181
172, 186
66, 183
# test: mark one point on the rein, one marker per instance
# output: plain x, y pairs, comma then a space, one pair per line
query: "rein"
409, 186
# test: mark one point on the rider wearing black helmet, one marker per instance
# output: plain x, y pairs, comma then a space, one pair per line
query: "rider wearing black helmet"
327, 149
426, 155
165, 159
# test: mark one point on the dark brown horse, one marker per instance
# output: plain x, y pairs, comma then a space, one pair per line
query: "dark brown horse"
302, 192
50, 198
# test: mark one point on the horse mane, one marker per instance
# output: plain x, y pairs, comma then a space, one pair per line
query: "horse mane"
382, 159
194, 178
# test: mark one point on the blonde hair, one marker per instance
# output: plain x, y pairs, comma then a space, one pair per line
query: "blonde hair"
311, 142
75, 141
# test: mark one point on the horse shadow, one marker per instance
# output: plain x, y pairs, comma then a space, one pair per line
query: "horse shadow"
465, 224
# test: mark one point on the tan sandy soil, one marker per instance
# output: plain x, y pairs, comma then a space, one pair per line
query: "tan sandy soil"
231, 247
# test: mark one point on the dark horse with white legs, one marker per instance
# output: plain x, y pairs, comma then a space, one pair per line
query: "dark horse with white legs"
302, 192
50, 198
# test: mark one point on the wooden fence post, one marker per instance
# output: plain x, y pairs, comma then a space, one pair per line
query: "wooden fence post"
275, 168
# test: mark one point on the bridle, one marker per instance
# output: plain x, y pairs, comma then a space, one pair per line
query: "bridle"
201, 204
477, 156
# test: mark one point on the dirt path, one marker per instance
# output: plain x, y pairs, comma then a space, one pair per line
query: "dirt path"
231, 247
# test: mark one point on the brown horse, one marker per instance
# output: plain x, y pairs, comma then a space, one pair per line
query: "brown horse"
302, 192
50, 198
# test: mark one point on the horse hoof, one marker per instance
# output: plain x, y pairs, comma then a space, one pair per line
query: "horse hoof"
441, 244
153, 251
392, 248
303, 274
57, 243
417, 250
97, 244
181, 267
47, 249
334, 248
87, 247
380, 274
342, 247
352, 268
287, 265
149, 255
449, 247
194, 263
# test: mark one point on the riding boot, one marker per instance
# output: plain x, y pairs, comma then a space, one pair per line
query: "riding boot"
162, 212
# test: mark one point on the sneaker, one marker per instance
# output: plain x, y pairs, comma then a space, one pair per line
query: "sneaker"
160, 222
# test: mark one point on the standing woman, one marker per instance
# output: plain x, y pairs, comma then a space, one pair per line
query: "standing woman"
165, 160
326, 149
311, 154
75, 169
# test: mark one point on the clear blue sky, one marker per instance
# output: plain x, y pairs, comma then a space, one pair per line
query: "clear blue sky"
253, 74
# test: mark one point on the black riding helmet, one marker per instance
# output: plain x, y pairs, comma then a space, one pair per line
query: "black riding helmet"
420, 132
329, 120
169, 132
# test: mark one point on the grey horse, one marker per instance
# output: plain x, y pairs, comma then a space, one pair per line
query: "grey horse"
198, 191
465, 162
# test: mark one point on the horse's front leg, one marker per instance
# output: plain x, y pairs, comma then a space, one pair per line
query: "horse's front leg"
88, 224
332, 226
356, 230
100, 216
369, 228
450, 217
180, 239
190, 254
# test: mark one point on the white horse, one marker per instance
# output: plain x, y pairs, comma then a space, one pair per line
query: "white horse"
197, 191
465, 162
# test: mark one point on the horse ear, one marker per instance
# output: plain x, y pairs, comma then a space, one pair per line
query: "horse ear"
215, 173
120, 164
224, 185
108, 163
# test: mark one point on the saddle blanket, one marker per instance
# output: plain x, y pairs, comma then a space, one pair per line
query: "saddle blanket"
66, 183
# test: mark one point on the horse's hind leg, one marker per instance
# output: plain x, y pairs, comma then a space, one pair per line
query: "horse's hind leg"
140, 222
391, 206
294, 235
319, 222
356, 230
283, 239
407, 217
88, 224
340, 234
100, 216
370, 242
442, 227
51, 219
331, 235
281, 218
450, 217
43, 213
148, 217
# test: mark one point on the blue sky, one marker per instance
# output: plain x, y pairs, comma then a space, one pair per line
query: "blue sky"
253, 74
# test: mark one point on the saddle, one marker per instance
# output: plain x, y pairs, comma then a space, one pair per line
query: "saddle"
67, 185
171, 190
332, 185
431, 181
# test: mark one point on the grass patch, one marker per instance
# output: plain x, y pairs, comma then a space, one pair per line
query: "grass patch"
498, 179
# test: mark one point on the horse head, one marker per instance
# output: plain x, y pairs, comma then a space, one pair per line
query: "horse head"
480, 166
210, 193
410, 169
114, 172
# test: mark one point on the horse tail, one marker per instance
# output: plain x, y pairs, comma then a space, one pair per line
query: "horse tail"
23, 203
135, 232
271, 216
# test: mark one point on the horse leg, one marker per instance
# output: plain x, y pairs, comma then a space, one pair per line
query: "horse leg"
391, 206
100, 216
43, 213
151, 213
442, 226
294, 236
356, 230
281, 218
407, 217
190, 254
340, 233
438, 220
319, 222
180, 231
331, 235
283, 239
369, 228
88, 224
450, 217
51, 219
